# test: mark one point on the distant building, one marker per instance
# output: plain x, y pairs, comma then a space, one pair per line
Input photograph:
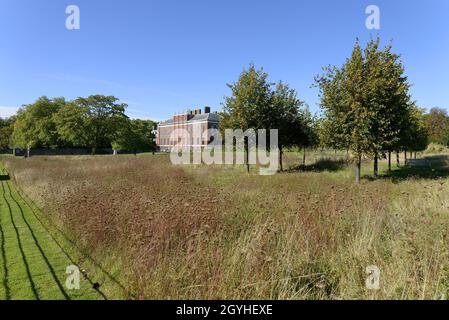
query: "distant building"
194, 125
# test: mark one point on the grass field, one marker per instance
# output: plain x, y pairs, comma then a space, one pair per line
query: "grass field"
33, 264
143, 228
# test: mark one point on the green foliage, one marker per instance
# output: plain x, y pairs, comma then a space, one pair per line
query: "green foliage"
94, 121
72, 125
135, 136
365, 102
34, 125
104, 117
446, 139
288, 118
249, 103
6, 129
258, 104
416, 132
438, 126
310, 129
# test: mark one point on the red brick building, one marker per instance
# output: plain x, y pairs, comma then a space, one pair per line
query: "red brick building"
195, 125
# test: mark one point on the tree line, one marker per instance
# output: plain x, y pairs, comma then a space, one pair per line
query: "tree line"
366, 109
94, 122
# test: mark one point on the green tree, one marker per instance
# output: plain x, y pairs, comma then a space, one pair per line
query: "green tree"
288, 114
417, 131
248, 104
365, 102
327, 137
388, 96
35, 126
344, 111
310, 135
136, 135
72, 125
256, 104
92, 122
6, 130
438, 125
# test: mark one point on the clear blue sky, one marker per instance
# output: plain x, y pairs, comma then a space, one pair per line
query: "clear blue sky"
164, 56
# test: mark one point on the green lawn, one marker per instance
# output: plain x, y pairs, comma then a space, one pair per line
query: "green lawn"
32, 263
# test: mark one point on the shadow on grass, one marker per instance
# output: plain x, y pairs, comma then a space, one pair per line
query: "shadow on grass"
32, 283
39, 247
322, 165
4, 177
438, 169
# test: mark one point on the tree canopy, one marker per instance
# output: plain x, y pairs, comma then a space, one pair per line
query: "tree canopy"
6, 129
92, 122
366, 103
136, 135
437, 121
34, 125
255, 103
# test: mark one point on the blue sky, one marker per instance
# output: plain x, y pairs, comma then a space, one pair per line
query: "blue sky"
164, 56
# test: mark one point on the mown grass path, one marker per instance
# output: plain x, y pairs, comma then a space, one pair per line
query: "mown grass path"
32, 264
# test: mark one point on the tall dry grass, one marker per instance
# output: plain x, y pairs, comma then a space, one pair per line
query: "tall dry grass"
211, 232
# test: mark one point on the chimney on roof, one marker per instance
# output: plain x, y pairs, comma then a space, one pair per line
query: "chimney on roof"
206, 109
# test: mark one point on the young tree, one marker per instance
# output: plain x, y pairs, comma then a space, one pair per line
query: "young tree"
388, 96
365, 102
342, 100
248, 104
309, 130
293, 123
72, 125
417, 131
256, 104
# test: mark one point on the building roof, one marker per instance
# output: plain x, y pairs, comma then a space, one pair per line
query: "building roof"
211, 117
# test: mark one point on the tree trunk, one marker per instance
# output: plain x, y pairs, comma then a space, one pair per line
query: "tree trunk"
376, 166
280, 159
347, 154
304, 158
358, 169
398, 160
415, 155
247, 154
114, 152
389, 161
28, 150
